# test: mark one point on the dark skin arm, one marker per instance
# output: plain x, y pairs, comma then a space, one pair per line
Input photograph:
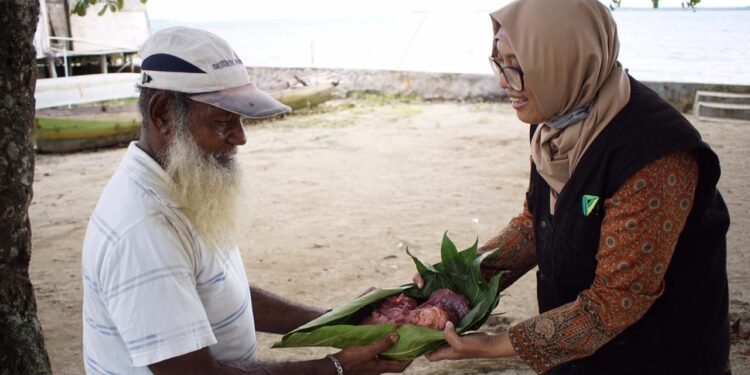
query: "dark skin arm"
266, 308
355, 360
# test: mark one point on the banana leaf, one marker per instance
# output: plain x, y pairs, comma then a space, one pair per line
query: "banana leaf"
458, 271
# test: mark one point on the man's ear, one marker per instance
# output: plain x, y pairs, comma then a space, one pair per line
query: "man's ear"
160, 119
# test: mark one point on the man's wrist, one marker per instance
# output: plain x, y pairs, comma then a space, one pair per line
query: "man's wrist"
336, 364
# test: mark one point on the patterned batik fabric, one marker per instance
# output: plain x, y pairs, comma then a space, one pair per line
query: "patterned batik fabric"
643, 222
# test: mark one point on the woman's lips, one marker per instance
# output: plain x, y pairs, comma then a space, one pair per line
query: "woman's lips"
518, 103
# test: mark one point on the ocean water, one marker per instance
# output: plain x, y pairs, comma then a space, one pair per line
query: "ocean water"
708, 45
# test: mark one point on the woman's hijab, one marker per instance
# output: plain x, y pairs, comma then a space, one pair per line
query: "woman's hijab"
568, 52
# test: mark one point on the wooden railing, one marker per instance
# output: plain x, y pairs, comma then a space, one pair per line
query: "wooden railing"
725, 102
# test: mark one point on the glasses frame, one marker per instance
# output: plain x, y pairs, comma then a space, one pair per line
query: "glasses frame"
499, 69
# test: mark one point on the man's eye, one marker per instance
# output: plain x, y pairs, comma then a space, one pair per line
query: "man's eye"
222, 125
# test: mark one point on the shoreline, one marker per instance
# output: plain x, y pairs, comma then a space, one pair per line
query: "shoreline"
454, 86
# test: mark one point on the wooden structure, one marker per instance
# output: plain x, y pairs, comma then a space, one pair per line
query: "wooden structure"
90, 44
60, 130
724, 106
68, 134
55, 92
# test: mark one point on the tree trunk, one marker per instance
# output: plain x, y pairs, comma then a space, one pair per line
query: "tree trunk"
22, 348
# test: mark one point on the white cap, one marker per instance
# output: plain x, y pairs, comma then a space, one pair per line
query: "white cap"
197, 62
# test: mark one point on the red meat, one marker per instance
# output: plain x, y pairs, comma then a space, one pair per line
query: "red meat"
451, 302
442, 306
392, 310
428, 316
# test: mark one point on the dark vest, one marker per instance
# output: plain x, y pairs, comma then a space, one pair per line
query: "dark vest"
686, 331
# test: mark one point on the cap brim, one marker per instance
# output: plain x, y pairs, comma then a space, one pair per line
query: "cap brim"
246, 100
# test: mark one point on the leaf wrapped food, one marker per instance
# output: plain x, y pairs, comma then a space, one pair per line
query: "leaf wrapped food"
458, 272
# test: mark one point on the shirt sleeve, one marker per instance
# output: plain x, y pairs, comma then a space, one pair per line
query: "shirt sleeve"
516, 253
643, 221
148, 285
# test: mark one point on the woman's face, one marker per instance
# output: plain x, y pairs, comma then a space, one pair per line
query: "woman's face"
524, 101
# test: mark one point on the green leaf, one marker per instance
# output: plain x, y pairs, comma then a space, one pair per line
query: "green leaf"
433, 279
452, 263
337, 336
458, 271
422, 267
343, 313
79, 10
413, 341
468, 255
104, 9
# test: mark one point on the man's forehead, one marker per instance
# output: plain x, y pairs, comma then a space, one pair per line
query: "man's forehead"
209, 109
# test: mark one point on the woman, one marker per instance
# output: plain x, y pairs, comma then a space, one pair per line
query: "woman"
622, 215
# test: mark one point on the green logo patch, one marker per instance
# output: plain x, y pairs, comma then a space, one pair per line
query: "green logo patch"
589, 203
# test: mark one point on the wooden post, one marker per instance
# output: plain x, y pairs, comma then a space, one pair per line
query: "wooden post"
51, 67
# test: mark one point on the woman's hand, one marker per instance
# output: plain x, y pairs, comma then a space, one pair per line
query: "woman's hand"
473, 345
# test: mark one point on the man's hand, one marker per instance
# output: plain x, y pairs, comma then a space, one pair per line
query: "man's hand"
354, 360
473, 345
364, 359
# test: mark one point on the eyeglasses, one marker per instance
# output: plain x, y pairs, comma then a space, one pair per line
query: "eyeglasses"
512, 74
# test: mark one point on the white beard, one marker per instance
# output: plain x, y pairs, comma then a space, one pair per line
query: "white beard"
207, 191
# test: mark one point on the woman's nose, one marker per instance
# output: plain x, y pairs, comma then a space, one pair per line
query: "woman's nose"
503, 82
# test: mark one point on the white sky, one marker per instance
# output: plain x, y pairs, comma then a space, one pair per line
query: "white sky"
213, 10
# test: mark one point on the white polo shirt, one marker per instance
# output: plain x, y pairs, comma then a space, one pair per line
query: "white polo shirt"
151, 290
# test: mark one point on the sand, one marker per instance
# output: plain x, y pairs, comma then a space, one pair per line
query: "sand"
334, 199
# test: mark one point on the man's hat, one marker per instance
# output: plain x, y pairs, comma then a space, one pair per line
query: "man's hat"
203, 65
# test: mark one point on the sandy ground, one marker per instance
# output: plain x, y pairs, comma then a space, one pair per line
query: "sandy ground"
334, 199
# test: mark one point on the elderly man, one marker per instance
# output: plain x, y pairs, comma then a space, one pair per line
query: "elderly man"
165, 290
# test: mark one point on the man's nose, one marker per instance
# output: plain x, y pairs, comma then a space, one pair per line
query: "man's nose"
237, 135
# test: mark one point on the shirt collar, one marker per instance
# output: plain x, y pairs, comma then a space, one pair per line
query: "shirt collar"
148, 173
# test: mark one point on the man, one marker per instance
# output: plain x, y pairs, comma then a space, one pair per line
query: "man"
165, 290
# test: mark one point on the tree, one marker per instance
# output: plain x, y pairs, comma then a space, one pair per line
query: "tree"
22, 349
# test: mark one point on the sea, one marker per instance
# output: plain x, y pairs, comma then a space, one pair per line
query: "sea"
668, 45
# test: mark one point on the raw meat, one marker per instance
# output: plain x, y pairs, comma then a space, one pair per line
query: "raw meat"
442, 306
451, 302
392, 310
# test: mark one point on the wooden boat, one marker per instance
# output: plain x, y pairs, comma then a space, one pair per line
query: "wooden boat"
74, 133
305, 97
77, 129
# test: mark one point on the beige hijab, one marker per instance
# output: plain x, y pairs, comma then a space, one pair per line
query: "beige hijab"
568, 52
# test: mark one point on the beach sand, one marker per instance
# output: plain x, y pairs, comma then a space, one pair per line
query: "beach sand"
333, 200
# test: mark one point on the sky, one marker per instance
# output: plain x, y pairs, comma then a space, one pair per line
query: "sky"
214, 10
